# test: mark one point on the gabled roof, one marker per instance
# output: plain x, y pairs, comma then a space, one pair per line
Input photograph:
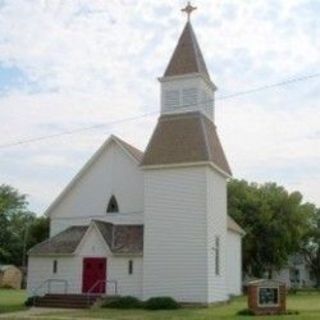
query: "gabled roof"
133, 152
187, 57
121, 239
65, 242
136, 153
185, 138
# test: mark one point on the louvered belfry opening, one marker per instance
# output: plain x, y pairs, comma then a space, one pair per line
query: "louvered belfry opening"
113, 205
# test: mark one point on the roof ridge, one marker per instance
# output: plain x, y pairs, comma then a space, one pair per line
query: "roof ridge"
194, 44
135, 152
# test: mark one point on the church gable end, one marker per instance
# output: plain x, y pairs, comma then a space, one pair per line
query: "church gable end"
113, 170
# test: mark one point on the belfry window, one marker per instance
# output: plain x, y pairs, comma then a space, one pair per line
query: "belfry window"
112, 205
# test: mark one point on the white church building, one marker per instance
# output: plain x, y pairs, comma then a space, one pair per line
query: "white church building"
150, 223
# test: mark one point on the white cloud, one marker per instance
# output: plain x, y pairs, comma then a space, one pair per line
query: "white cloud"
92, 62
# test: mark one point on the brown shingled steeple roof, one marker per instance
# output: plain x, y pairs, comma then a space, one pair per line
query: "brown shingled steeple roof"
185, 138
187, 57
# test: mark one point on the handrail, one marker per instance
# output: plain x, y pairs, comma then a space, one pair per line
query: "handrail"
48, 282
105, 282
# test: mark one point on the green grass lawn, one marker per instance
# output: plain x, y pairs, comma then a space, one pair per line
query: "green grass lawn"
307, 304
12, 300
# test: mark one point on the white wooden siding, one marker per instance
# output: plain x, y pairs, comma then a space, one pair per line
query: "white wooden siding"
175, 246
40, 269
114, 172
128, 284
70, 269
234, 263
216, 226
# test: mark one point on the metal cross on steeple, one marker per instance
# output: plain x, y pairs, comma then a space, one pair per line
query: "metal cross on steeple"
188, 9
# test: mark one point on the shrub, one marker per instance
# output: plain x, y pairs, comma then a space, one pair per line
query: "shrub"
292, 312
30, 301
245, 312
161, 303
126, 302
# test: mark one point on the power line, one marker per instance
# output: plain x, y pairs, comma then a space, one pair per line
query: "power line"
111, 123
270, 86
70, 132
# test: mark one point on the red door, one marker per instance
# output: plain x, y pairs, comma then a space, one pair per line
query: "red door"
94, 275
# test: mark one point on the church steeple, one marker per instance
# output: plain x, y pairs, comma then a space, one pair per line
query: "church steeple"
186, 85
187, 57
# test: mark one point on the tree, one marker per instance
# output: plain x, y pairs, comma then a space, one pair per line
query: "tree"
11, 203
20, 229
311, 248
38, 231
275, 222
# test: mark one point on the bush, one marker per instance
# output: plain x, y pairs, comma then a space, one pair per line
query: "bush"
245, 312
30, 301
161, 303
292, 312
127, 302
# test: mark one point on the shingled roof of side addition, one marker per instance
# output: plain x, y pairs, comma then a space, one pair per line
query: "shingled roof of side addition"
65, 242
121, 239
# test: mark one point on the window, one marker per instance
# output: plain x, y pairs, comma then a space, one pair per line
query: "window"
171, 99
294, 275
268, 297
55, 266
113, 205
189, 97
217, 256
130, 267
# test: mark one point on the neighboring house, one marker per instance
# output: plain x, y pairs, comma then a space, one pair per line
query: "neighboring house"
153, 223
10, 276
296, 274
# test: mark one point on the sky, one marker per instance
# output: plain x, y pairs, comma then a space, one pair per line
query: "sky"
66, 65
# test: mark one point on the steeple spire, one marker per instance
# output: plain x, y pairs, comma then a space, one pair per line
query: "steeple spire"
186, 85
187, 57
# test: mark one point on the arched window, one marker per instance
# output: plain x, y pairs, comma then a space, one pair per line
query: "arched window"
113, 205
